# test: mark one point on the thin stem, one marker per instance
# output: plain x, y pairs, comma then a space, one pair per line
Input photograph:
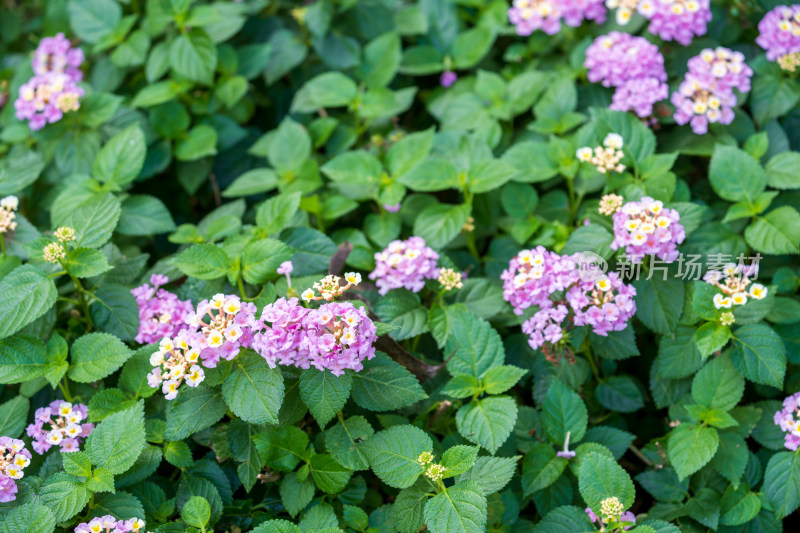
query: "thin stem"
82, 301
573, 207
595, 370
638, 453
240, 284
3, 245
63, 385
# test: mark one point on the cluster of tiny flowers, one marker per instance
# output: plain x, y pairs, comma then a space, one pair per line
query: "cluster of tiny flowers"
545, 326
789, 62
433, 471
59, 424
610, 204
161, 313
221, 327
404, 264
337, 336
13, 460
646, 227
606, 304
611, 511
53, 89
626, 9
450, 279
727, 318
533, 275
546, 15
8, 215
706, 94
736, 285
109, 524
64, 234
680, 20
779, 32
788, 419
633, 66
329, 287
607, 157
175, 362
54, 252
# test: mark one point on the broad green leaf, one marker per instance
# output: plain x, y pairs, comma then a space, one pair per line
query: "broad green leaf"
659, 303
718, 385
459, 509
274, 214
731, 457
404, 310
64, 495
458, 459
491, 474
253, 391
182, 419
261, 259
563, 411
664, 485
734, 174
408, 509
541, 468
711, 337
121, 159
487, 422
93, 221
197, 486
473, 346
22, 358
385, 385
27, 293
782, 171
782, 482
565, 519
86, 262
144, 215
202, 261
691, 447
95, 356
330, 476
282, 448
738, 506
323, 393
499, 379
601, 477
31, 517
193, 56
439, 224
115, 311
620, 393
392, 454
201, 141
289, 146
777, 232
91, 20
117, 441
343, 442
196, 512
13, 415
759, 354
295, 494
331, 89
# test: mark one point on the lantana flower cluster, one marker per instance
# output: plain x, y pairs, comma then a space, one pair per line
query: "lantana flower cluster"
404, 264
53, 90
433, 471
632, 65
330, 287
174, 363
8, 215
336, 336
449, 279
672, 20
13, 460
736, 283
647, 227
56, 251
221, 327
546, 15
611, 512
161, 313
706, 94
605, 158
788, 419
779, 32
110, 524
59, 424
563, 291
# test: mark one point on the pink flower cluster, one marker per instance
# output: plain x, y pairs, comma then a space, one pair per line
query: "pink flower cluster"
109, 524
336, 336
13, 460
220, 328
405, 264
53, 90
788, 419
59, 424
632, 65
646, 227
161, 313
680, 20
706, 94
560, 286
627, 516
779, 31
546, 15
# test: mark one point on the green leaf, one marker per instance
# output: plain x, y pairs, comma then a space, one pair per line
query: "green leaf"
193, 56
777, 232
392, 454
659, 303
115, 311
731, 457
202, 261
439, 224
679, 357
282, 448
711, 337
541, 468
182, 419
734, 174
718, 385
144, 215
620, 393
253, 391
487, 422
343, 442
117, 441
664, 485
94, 220
95, 356
404, 310
121, 159
197, 486
296, 495
64, 495
323, 393
384, 385
91, 20
782, 171
253, 181
31, 517
381, 58
22, 358
231, 90
77, 464
491, 474
355, 517
430, 175
472, 344
782, 482
773, 96
459, 509
196, 512
563, 411
330, 476
499, 379
86, 262
27, 293
13, 415
738, 506
57, 364
408, 509
107, 402
565, 519
274, 214
759, 354
289, 146
691, 447
177, 453
600, 477
18, 169
261, 259
201, 141
459, 459
331, 89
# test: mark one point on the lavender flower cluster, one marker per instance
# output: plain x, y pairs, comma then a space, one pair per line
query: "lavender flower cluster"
161, 313
788, 419
53, 90
647, 227
13, 460
405, 264
59, 424
336, 336
110, 524
736, 286
706, 94
779, 32
554, 283
680, 20
632, 65
546, 15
